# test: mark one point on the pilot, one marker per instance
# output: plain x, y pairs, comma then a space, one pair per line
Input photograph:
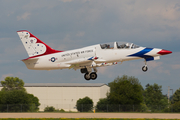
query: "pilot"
127, 45
123, 46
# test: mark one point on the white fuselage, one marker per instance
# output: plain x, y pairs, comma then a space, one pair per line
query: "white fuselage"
79, 58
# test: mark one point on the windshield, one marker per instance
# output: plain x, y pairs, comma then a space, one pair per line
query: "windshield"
119, 45
124, 45
107, 46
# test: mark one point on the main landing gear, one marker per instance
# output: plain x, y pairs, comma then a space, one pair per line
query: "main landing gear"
145, 68
92, 76
89, 74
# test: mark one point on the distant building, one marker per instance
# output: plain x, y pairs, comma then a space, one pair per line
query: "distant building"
65, 95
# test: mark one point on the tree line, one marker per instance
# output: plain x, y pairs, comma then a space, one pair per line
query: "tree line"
127, 94
15, 95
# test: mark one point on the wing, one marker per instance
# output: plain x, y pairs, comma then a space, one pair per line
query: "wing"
84, 62
88, 62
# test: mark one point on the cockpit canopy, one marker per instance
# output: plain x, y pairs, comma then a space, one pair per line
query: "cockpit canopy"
119, 45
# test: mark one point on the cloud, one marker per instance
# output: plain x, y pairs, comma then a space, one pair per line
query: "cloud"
17, 74
10, 13
175, 67
109, 71
15, 50
154, 64
66, 0
62, 47
103, 70
163, 70
80, 34
5, 75
4, 39
24, 16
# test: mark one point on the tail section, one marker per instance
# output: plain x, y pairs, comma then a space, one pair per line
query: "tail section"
33, 45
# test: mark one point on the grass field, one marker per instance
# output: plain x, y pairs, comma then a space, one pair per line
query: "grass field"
81, 119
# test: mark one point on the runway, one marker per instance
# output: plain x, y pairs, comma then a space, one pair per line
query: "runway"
91, 115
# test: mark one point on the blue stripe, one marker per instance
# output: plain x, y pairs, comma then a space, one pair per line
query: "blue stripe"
150, 58
90, 58
141, 54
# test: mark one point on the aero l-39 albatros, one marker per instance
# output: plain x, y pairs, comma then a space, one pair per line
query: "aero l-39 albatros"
87, 59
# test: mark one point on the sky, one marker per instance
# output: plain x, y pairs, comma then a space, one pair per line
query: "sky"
71, 24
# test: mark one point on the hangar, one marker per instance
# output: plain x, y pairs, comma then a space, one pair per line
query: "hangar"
65, 95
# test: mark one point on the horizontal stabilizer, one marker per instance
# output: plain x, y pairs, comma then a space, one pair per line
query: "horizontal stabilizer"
30, 59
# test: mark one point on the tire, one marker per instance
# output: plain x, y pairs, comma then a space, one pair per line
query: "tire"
93, 75
87, 76
144, 68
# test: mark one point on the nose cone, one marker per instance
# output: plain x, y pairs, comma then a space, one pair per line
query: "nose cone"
164, 52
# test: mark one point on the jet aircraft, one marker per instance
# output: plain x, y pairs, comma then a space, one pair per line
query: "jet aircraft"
87, 59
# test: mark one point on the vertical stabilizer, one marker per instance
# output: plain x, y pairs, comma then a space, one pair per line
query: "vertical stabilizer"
33, 45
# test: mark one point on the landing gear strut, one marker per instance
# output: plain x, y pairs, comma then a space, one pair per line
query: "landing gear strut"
145, 68
89, 74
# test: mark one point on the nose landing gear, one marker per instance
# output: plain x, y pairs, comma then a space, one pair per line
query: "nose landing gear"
145, 68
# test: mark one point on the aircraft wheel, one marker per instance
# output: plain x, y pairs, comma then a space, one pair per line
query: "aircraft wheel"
144, 68
87, 76
93, 75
